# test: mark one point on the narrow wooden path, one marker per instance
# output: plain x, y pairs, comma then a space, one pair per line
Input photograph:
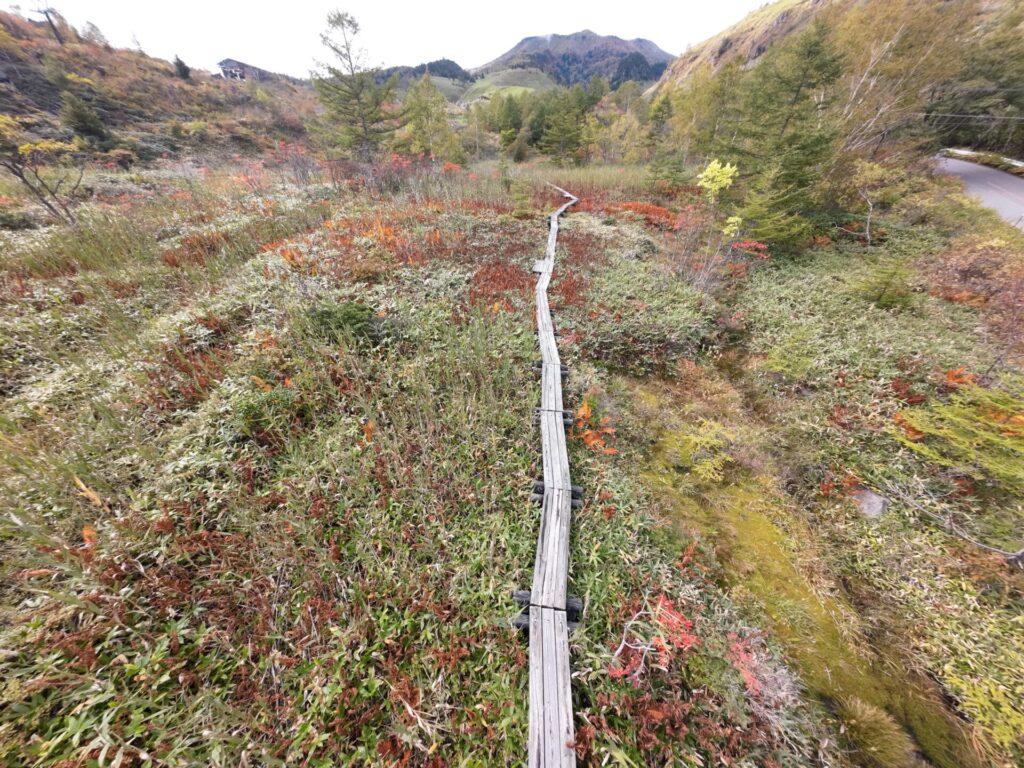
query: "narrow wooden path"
551, 726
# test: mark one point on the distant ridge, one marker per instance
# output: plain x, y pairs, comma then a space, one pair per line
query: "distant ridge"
439, 68
575, 58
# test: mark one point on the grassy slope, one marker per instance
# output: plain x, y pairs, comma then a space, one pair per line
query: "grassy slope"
750, 37
451, 89
811, 326
509, 81
269, 454
151, 111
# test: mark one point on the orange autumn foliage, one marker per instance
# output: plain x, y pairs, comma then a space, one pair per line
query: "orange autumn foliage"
959, 377
593, 431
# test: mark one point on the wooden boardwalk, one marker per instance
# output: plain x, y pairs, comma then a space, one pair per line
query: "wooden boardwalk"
551, 726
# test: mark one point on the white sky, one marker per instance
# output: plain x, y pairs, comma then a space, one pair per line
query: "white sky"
284, 36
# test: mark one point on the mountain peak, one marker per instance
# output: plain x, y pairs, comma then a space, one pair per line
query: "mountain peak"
578, 56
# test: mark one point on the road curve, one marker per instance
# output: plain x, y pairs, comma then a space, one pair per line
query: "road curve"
1002, 192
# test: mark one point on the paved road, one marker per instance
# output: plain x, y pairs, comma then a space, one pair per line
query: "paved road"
1002, 192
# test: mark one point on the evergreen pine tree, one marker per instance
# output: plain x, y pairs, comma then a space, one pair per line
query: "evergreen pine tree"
356, 104
768, 212
511, 115
784, 138
519, 146
658, 122
784, 126
181, 69
562, 136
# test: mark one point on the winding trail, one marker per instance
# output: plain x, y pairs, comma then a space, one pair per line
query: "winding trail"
551, 725
1001, 191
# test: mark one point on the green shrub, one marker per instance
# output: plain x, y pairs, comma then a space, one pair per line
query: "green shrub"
876, 740
269, 415
54, 71
80, 117
181, 69
335, 323
522, 201
15, 220
887, 287
979, 432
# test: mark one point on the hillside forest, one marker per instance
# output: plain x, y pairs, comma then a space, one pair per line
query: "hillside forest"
267, 397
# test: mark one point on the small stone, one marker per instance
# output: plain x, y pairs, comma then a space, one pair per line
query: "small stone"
871, 505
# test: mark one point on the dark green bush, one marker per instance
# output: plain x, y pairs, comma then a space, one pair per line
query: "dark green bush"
887, 287
335, 323
80, 117
14, 220
269, 415
181, 69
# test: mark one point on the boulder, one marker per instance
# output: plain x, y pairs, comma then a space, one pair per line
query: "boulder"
870, 504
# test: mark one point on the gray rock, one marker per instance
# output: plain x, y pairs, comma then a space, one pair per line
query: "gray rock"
870, 503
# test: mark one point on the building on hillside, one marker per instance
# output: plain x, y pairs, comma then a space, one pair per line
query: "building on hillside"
231, 69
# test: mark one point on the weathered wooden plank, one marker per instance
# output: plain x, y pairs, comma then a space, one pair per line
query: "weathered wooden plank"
548, 348
551, 388
551, 689
563, 679
555, 453
551, 564
538, 692
551, 726
544, 320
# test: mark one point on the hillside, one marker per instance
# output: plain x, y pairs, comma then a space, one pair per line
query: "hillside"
509, 81
441, 68
575, 58
750, 38
142, 105
449, 78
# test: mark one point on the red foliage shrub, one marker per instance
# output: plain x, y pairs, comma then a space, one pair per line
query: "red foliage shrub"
122, 289
988, 275
582, 248
497, 278
196, 248
185, 372
654, 636
13, 287
653, 215
570, 288
743, 660
478, 206
182, 378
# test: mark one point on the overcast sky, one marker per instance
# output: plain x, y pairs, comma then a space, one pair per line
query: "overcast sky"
284, 36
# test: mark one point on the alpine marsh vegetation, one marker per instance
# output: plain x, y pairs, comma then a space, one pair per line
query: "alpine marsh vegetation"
267, 396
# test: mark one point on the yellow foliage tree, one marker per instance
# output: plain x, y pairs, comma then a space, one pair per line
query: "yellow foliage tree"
31, 161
